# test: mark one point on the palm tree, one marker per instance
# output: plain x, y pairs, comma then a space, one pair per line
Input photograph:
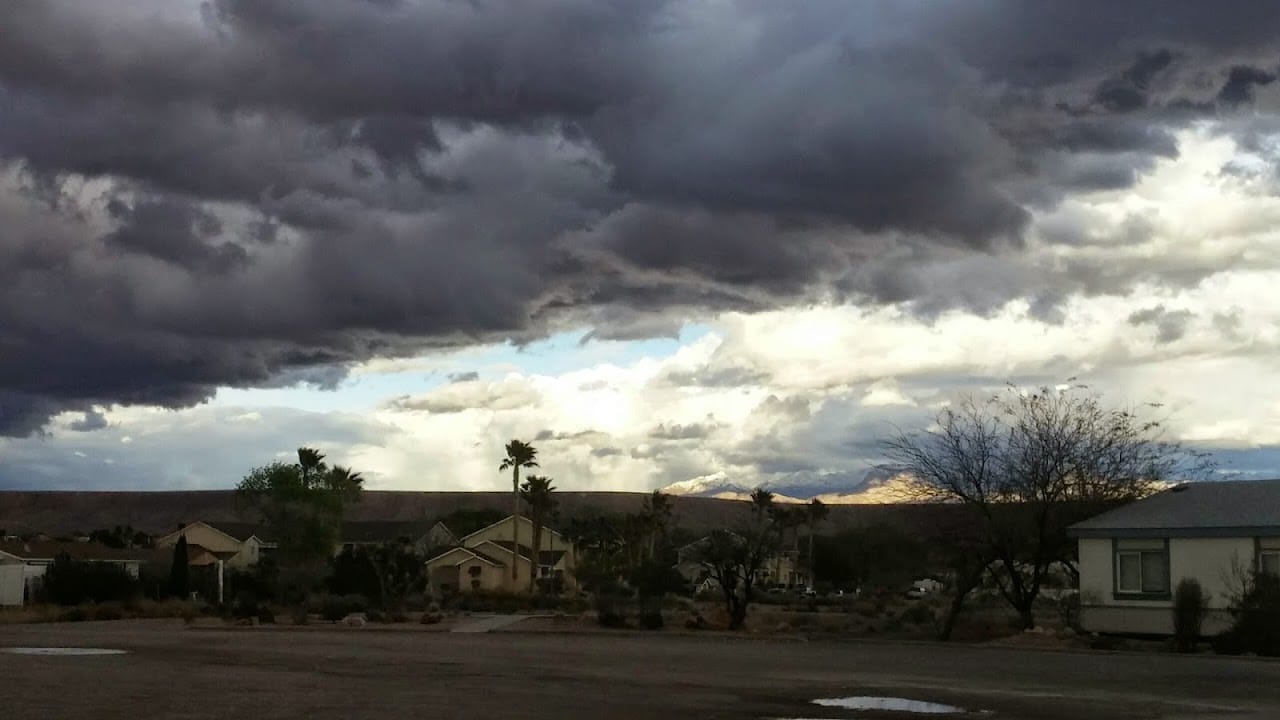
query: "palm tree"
657, 513
788, 521
519, 454
345, 482
761, 503
536, 492
814, 513
311, 463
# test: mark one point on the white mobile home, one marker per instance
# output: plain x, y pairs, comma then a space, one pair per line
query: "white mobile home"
1132, 558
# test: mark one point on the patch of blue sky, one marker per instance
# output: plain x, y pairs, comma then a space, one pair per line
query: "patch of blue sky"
569, 351
556, 355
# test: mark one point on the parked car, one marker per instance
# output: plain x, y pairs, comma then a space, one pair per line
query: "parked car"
923, 587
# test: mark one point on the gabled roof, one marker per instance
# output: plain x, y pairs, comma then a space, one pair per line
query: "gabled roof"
1236, 508
470, 552
236, 531
546, 557
503, 521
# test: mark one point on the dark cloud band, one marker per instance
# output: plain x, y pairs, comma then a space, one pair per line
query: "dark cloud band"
230, 192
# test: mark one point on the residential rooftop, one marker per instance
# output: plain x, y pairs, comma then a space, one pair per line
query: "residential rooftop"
1222, 508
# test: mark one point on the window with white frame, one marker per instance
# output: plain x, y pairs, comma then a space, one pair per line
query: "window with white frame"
1142, 567
1269, 556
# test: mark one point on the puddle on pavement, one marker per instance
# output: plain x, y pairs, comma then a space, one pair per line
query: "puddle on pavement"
903, 705
869, 703
60, 651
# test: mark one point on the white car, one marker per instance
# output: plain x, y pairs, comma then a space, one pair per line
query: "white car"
921, 588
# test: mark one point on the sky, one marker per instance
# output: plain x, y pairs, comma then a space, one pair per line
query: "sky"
697, 244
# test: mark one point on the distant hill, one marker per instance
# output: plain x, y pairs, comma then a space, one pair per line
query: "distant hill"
159, 512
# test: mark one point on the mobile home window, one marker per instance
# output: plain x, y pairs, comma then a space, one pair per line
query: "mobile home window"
1269, 556
1142, 567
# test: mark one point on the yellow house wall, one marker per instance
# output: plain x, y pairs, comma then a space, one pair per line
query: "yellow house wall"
490, 577
247, 552
550, 541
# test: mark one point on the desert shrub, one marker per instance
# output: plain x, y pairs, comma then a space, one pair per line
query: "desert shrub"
1188, 614
107, 611
489, 601
375, 615
1067, 607
432, 615
71, 582
259, 581
651, 620
352, 573
1255, 609
245, 605
397, 616
265, 615
609, 611
867, 609
75, 614
335, 607
919, 615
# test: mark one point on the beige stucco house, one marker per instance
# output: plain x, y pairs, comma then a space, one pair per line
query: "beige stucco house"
483, 560
237, 545
1133, 557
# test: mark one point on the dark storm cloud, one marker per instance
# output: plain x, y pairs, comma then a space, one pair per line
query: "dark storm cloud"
1170, 325
1240, 84
1128, 91
92, 420
173, 231
235, 191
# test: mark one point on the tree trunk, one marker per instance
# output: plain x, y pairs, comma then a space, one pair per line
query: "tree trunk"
737, 613
515, 528
1026, 616
536, 551
810, 568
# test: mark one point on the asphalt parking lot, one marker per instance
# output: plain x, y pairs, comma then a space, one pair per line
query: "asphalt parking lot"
170, 671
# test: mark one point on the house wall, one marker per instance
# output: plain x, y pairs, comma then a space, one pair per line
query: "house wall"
502, 581
550, 540
1211, 561
246, 553
455, 569
489, 578
12, 583
250, 553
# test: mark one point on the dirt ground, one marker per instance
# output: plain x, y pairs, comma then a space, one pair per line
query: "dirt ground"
171, 671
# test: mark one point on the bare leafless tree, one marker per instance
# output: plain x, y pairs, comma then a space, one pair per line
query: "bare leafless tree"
1029, 463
